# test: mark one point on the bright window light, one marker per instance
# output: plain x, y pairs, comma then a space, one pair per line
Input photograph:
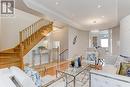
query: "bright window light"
104, 42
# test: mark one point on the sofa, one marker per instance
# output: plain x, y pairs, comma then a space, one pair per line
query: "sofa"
108, 76
21, 79
108, 79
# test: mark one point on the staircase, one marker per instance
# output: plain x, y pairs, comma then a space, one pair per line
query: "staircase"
29, 37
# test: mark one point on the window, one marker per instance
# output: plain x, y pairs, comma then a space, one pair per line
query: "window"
104, 42
101, 38
104, 38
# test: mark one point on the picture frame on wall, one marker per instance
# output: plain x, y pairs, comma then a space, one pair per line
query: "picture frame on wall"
74, 40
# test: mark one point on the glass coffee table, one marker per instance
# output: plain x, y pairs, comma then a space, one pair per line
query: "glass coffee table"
74, 72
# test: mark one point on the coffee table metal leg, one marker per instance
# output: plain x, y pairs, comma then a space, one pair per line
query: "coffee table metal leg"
74, 81
56, 73
66, 81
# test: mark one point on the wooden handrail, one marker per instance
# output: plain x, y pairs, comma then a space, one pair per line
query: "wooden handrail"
63, 51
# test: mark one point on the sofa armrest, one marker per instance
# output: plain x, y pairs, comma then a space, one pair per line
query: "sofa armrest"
101, 79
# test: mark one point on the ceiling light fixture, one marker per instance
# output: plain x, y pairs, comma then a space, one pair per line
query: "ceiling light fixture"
94, 22
99, 6
57, 3
103, 16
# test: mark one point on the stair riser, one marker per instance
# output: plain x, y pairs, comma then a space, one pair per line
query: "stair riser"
8, 54
9, 65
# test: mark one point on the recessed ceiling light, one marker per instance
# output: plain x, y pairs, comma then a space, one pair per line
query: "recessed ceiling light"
72, 15
99, 6
57, 3
94, 22
103, 16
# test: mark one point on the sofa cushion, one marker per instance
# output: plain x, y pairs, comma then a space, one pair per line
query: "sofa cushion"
91, 56
25, 80
34, 75
119, 60
5, 81
110, 59
124, 69
5, 71
15, 81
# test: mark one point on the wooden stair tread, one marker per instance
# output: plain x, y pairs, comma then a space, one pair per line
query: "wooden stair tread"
8, 52
9, 62
5, 62
9, 65
12, 59
7, 57
16, 49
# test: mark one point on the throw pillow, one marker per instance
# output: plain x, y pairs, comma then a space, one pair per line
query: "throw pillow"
124, 69
22, 77
91, 56
34, 75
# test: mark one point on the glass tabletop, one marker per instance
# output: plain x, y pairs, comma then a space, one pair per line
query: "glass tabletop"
74, 71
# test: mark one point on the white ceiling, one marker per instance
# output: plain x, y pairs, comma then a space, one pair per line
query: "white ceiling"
19, 4
83, 13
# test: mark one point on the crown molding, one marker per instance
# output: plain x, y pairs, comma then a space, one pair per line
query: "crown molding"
53, 15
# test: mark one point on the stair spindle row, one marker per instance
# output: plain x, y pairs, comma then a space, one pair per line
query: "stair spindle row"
32, 34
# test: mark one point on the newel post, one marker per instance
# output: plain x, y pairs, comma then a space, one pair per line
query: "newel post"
21, 51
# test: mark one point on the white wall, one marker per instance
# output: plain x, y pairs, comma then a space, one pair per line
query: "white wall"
78, 49
116, 40
10, 28
62, 36
125, 36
